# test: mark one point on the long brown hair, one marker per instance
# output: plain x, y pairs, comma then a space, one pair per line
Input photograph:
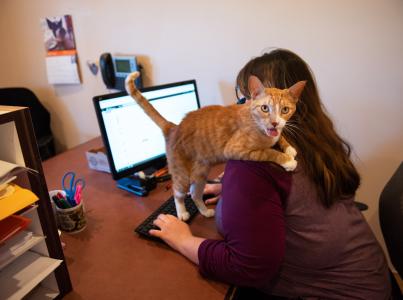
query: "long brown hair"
323, 153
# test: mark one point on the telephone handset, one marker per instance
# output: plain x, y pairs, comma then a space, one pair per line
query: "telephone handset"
115, 69
107, 70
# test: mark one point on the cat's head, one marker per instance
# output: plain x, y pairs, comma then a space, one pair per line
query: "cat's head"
56, 27
271, 108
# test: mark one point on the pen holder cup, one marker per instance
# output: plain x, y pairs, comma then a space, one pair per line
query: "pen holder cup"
69, 220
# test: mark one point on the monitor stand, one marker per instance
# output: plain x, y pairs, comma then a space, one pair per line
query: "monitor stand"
136, 185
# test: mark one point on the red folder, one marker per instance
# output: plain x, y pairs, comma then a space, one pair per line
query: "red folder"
11, 226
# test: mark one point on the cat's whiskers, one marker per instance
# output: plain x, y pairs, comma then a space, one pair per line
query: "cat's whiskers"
293, 127
292, 130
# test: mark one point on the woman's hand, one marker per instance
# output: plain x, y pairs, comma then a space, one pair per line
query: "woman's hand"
177, 234
172, 230
214, 189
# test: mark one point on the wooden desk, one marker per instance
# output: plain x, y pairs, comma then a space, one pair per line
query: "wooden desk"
108, 260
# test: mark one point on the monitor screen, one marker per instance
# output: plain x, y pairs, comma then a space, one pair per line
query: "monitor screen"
132, 140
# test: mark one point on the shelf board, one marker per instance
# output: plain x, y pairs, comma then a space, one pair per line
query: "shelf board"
20, 277
42, 293
28, 210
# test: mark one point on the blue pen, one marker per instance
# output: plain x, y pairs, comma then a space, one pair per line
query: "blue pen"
71, 202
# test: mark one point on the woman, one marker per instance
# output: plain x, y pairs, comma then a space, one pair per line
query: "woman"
290, 234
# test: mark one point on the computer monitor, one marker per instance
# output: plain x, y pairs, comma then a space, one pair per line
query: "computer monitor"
133, 141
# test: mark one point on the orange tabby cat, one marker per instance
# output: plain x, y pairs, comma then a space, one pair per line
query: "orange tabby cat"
214, 134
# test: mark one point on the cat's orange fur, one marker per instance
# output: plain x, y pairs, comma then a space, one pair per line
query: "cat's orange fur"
215, 134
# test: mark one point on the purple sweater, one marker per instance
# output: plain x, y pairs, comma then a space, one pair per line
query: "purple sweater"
278, 237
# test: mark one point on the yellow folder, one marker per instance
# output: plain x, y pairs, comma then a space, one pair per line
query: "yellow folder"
16, 201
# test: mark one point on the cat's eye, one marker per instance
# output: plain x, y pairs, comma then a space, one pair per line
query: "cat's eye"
285, 110
264, 108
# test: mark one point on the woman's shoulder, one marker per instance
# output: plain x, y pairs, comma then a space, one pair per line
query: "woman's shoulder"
262, 166
264, 170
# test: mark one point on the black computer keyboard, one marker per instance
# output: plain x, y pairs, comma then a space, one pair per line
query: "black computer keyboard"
168, 207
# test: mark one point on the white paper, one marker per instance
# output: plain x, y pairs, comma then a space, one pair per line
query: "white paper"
9, 170
62, 69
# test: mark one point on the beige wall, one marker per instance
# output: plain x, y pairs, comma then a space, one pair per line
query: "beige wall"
355, 49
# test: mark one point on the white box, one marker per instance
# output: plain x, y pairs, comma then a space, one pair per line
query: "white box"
97, 160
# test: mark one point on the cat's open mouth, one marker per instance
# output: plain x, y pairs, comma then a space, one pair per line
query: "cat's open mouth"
272, 132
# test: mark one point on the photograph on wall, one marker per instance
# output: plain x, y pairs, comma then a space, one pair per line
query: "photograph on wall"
58, 33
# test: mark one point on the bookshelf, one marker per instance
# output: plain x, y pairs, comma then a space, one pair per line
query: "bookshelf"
37, 268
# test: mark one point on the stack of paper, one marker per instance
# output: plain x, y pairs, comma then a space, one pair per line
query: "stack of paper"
14, 243
8, 171
17, 245
6, 189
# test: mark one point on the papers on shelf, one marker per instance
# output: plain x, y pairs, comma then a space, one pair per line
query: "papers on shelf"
9, 170
6, 190
18, 245
17, 241
11, 225
17, 201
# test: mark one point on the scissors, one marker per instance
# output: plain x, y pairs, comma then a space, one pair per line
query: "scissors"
72, 183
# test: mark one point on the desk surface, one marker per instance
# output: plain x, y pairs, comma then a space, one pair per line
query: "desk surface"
108, 260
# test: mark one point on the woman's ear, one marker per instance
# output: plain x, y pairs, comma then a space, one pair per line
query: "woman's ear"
255, 87
296, 90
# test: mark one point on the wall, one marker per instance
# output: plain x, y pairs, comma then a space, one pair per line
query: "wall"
355, 48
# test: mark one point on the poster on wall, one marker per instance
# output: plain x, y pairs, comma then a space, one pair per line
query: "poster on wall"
61, 53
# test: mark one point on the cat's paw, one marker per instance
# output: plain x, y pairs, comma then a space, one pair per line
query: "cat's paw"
208, 213
291, 151
184, 216
290, 165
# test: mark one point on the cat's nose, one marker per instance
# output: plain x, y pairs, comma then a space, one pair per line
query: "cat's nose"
274, 124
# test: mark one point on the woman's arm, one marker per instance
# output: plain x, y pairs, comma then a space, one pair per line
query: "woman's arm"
177, 233
253, 225
254, 229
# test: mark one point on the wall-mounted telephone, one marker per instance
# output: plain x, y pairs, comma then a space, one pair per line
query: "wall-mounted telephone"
114, 70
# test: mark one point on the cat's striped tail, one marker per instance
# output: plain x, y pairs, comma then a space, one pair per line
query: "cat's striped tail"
132, 90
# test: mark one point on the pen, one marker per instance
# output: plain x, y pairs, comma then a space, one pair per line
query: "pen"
68, 199
63, 200
57, 202
163, 178
71, 201
77, 195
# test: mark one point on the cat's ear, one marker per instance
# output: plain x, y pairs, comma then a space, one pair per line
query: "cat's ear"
296, 90
255, 86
